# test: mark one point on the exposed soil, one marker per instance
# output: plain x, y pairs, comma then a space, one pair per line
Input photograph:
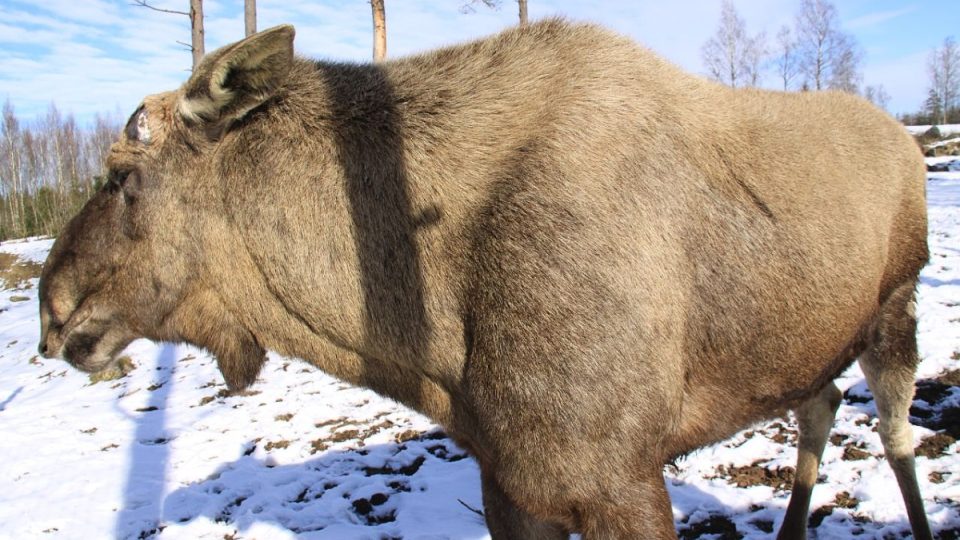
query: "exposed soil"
16, 273
852, 453
716, 525
933, 407
935, 445
757, 475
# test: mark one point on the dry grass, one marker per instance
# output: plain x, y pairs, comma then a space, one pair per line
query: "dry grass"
16, 273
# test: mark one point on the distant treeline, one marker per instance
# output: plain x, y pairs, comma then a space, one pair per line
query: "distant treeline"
931, 116
48, 169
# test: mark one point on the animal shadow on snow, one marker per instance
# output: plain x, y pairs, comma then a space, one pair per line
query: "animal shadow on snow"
149, 455
355, 491
371, 492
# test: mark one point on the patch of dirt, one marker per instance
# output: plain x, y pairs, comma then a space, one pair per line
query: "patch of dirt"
716, 525
934, 391
317, 445
279, 445
121, 369
782, 434
951, 378
406, 470
338, 422
344, 435
938, 477
935, 445
844, 500
820, 514
932, 409
764, 525
407, 435
757, 475
16, 273
949, 534
852, 453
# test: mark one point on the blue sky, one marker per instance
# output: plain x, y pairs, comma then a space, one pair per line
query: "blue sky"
103, 56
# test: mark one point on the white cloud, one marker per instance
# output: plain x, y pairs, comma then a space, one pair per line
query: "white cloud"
877, 18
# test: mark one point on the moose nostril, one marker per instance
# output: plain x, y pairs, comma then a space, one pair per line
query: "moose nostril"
42, 349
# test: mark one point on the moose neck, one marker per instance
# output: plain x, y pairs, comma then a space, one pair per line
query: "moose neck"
344, 240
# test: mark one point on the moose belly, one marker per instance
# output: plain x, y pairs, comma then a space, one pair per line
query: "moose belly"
765, 370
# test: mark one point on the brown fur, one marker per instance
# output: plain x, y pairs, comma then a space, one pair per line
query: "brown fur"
579, 259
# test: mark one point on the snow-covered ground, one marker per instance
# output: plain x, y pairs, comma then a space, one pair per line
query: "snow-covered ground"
945, 129
162, 453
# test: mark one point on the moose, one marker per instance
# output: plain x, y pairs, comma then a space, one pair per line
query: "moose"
580, 260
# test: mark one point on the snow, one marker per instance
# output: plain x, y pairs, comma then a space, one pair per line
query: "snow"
945, 142
945, 129
163, 453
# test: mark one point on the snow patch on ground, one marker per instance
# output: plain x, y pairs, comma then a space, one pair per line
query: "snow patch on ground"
945, 129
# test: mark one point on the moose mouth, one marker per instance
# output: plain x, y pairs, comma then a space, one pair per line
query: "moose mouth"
84, 352
91, 345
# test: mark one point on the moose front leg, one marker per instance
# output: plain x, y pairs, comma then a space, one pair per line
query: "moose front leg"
506, 521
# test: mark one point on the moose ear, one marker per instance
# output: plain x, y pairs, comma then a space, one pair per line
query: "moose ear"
235, 79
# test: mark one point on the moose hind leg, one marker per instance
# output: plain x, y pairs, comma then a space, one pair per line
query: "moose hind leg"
506, 521
890, 368
815, 418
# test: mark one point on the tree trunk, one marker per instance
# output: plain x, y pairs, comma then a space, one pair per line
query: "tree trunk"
196, 31
523, 12
249, 17
379, 30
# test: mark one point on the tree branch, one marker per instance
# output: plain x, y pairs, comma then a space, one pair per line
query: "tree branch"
143, 3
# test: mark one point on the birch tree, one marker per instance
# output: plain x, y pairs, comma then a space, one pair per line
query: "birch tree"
379, 30
195, 14
828, 57
249, 17
943, 66
731, 56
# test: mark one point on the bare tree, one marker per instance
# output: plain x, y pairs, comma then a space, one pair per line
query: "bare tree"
495, 4
12, 171
196, 31
877, 95
845, 72
48, 169
249, 17
828, 57
944, 68
379, 30
786, 59
468, 7
731, 55
754, 55
195, 14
